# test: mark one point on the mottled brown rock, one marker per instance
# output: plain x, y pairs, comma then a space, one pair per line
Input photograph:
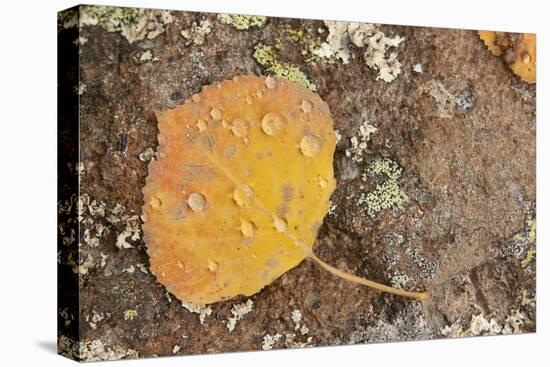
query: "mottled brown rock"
462, 132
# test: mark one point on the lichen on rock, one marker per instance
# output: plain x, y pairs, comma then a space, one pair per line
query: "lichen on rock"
378, 54
135, 24
238, 311
387, 195
267, 58
243, 22
341, 35
197, 33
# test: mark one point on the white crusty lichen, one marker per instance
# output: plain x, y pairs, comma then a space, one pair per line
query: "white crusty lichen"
85, 266
96, 318
91, 215
80, 91
96, 350
198, 308
132, 231
291, 341
359, 142
512, 323
147, 55
66, 316
341, 34
197, 33
93, 350
417, 68
444, 100
378, 58
135, 24
270, 340
238, 311
378, 54
332, 206
147, 155
479, 325
297, 317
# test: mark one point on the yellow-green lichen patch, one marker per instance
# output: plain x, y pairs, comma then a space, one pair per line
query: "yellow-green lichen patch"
389, 194
529, 257
135, 24
399, 281
130, 314
522, 245
243, 22
67, 19
306, 39
266, 57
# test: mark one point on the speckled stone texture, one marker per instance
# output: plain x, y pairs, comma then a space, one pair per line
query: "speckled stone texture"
462, 131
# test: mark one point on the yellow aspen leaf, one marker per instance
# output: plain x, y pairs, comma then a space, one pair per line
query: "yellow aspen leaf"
518, 51
524, 60
240, 189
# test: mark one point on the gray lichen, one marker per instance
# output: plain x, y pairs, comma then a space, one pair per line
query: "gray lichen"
378, 54
135, 24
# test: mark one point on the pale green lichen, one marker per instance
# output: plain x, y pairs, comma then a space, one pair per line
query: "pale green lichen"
529, 257
130, 314
135, 24
197, 33
147, 55
522, 245
306, 39
266, 57
387, 195
399, 281
531, 230
67, 19
243, 22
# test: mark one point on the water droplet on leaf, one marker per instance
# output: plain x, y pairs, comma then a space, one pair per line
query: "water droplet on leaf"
307, 106
247, 228
273, 123
201, 125
197, 202
311, 145
240, 128
216, 114
243, 195
280, 224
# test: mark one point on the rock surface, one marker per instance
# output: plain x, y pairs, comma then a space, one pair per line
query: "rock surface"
452, 137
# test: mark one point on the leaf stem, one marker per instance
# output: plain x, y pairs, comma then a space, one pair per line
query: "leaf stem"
421, 296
